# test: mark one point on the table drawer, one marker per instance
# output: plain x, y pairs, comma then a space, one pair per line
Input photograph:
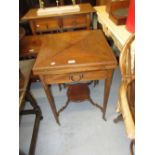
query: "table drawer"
75, 77
74, 21
47, 24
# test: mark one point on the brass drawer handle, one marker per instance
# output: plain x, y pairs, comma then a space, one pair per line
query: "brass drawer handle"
76, 78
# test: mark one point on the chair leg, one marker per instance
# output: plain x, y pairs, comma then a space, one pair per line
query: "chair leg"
118, 118
34, 134
33, 103
36, 110
131, 147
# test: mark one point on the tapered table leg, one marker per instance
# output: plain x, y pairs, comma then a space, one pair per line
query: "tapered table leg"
50, 99
108, 81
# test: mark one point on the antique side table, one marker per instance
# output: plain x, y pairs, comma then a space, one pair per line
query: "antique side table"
75, 56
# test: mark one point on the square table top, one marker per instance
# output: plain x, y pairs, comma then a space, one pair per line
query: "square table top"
74, 51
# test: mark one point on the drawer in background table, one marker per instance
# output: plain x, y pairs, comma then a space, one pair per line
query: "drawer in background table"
47, 24
75, 21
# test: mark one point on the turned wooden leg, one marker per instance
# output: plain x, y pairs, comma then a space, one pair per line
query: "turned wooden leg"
50, 99
108, 81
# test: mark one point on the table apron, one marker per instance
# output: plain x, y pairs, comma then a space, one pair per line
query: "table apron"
76, 77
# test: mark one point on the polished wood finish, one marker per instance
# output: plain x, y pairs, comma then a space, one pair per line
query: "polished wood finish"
60, 22
75, 57
78, 93
114, 5
29, 46
118, 12
50, 98
107, 90
89, 49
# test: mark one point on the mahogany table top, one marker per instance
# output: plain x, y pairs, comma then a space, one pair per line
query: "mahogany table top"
73, 52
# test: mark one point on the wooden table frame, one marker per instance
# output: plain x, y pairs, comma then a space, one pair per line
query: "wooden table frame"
98, 65
49, 94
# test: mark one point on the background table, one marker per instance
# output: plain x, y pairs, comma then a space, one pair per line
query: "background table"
60, 22
119, 33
